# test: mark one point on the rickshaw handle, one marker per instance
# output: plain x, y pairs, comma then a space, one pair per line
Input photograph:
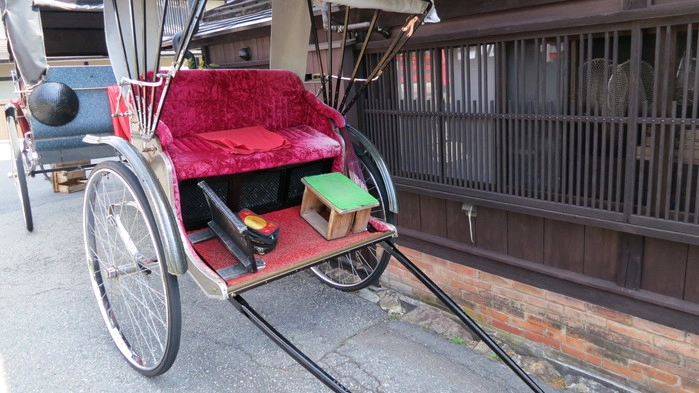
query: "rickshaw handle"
467, 320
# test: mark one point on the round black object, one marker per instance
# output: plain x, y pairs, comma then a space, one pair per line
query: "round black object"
54, 103
262, 243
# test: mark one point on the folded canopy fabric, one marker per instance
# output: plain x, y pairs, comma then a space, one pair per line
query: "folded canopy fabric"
22, 21
403, 6
291, 27
23, 28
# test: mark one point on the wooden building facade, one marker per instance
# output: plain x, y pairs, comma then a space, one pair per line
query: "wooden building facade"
575, 139
550, 146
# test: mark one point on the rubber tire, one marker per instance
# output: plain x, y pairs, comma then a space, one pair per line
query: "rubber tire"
139, 296
18, 173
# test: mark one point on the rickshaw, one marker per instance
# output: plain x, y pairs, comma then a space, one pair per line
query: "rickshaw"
239, 177
42, 141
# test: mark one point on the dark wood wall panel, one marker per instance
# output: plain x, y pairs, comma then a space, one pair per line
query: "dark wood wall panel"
664, 266
433, 216
227, 54
525, 237
602, 253
691, 282
491, 229
564, 245
457, 223
216, 54
230, 51
223, 54
73, 33
631, 261
262, 46
409, 216
256, 52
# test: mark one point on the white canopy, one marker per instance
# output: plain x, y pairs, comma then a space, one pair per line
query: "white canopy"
291, 27
70, 5
26, 38
402, 6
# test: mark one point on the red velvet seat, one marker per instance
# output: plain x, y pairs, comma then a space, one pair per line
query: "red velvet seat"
215, 100
194, 157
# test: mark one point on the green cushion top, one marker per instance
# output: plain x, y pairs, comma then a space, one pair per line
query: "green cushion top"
340, 191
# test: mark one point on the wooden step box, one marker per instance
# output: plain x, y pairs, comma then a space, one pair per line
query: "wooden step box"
348, 204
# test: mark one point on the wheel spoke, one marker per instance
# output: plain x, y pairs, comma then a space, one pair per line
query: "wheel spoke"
139, 300
359, 268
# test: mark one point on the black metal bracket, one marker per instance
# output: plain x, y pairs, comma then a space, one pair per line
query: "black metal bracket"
454, 308
66, 168
232, 232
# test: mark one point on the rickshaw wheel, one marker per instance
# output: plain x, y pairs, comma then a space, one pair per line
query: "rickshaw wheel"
138, 298
18, 173
360, 268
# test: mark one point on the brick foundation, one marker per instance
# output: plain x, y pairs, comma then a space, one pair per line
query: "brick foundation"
628, 350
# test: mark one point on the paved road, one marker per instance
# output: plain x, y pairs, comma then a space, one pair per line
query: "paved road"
52, 338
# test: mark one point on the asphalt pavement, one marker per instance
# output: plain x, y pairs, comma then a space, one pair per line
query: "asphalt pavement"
52, 338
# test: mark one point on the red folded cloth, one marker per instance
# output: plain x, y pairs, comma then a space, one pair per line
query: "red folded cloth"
246, 140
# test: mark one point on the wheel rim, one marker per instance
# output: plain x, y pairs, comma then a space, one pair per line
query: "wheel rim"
351, 271
357, 269
125, 262
18, 174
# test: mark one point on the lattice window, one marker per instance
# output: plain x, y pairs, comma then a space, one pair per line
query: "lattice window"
595, 124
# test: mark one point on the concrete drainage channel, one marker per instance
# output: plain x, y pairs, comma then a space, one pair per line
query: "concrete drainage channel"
553, 372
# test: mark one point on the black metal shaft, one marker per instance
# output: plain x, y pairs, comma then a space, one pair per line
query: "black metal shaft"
319, 58
241, 305
444, 298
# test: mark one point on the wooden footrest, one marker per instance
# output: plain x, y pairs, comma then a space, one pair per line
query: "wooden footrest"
348, 204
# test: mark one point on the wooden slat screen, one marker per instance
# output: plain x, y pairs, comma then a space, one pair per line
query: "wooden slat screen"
596, 123
176, 16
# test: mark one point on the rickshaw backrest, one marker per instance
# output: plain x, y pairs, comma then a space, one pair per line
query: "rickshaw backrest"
64, 143
209, 100
206, 101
